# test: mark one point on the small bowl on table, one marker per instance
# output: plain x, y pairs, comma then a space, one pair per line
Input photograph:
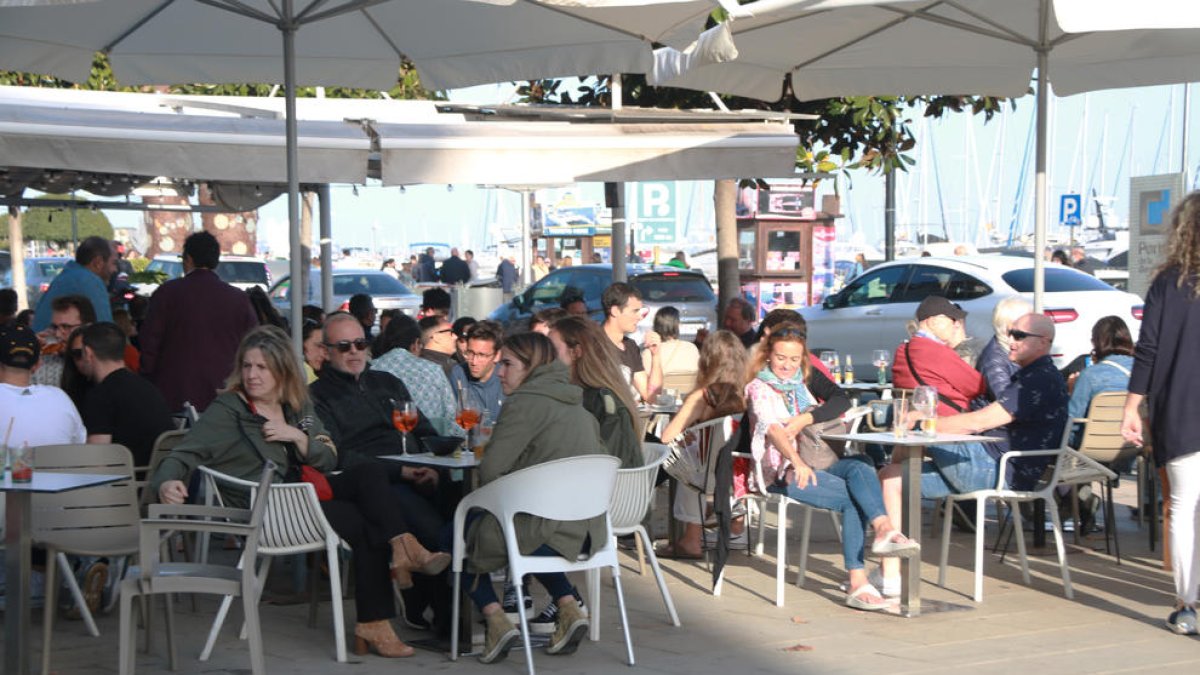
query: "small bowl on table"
442, 445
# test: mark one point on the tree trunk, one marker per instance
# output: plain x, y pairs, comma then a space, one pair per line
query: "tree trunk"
236, 232
728, 280
16, 244
166, 229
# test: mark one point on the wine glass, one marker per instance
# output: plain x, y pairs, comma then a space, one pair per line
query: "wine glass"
880, 359
467, 416
404, 418
925, 403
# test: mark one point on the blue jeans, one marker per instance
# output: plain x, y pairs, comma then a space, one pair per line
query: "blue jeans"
957, 468
850, 487
479, 586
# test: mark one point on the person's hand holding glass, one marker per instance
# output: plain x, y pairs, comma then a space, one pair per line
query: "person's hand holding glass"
880, 359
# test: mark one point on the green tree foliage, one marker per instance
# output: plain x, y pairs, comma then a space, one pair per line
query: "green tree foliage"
41, 223
869, 132
101, 78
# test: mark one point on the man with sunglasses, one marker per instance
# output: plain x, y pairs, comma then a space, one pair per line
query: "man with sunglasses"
1030, 413
67, 312
438, 343
928, 358
121, 407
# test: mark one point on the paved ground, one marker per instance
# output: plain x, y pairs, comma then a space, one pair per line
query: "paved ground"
1113, 625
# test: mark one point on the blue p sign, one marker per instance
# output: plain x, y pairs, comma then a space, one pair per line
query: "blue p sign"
1069, 211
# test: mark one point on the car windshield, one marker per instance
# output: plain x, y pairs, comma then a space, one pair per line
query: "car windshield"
51, 268
1058, 280
670, 287
374, 284
242, 272
171, 268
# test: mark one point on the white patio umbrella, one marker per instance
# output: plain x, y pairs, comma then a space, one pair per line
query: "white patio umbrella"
353, 43
833, 48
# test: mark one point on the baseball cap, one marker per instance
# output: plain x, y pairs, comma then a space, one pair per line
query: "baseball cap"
18, 347
936, 305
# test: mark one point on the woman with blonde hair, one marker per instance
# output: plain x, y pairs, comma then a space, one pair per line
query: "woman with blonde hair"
1166, 375
993, 362
718, 392
265, 414
782, 400
582, 345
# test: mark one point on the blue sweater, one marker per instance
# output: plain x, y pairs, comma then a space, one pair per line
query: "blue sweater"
75, 279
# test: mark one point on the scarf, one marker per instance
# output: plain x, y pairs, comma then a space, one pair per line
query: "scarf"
796, 396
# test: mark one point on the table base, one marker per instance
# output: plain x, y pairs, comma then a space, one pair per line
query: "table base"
927, 607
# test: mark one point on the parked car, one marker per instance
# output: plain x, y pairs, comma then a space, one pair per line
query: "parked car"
39, 272
873, 310
685, 290
245, 272
385, 291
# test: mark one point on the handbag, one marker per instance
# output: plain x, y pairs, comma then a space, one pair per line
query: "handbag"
817, 452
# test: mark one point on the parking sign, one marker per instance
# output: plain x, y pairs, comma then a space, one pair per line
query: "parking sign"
1069, 211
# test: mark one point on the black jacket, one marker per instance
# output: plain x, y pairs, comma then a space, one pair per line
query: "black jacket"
455, 269
357, 413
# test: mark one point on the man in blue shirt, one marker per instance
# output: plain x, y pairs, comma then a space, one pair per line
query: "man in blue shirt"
87, 275
1030, 413
476, 378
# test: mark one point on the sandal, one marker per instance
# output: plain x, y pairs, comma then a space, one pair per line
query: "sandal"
856, 600
671, 552
895, 544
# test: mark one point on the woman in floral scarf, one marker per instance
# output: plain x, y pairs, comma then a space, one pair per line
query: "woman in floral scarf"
783, 397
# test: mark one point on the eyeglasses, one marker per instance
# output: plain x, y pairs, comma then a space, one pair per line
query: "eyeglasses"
65, 327
472, 355
1019, 335
344, 346
76, 354
790, 332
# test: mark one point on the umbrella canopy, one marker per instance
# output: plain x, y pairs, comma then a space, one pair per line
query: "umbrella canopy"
832, 48
355, 43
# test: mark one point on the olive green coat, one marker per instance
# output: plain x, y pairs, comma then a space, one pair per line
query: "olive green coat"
543, 420
229, 438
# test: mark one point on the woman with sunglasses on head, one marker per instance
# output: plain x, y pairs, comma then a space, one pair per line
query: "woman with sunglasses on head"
265, 414
1166, 375
782, 396
719, 392
314, 349
542, 420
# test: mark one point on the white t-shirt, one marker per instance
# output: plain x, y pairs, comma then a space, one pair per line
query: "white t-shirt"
40, 415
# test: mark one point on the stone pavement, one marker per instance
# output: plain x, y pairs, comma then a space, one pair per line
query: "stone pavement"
1113, 625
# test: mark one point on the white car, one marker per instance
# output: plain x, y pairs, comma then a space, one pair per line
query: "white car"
874, 309
243, 272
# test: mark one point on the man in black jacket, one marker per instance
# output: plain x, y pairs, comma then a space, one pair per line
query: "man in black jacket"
455, 269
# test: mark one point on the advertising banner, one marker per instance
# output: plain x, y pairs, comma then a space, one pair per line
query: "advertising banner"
1151, 199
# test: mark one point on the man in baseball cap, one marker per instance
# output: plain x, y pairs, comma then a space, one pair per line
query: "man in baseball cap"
928, 358
40, 415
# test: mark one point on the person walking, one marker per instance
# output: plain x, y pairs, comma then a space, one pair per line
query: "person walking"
1166, 375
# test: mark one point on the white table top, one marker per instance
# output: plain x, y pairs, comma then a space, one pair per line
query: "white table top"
656, 409
466, 461
912, 438
867, 386
47, 482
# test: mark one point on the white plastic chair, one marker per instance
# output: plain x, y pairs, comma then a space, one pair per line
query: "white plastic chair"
1044, 492
853, 418
154, 577
294, 524
630, 500
575, 488
100, 521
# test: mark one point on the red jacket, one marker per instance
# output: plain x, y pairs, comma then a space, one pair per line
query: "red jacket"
941, 367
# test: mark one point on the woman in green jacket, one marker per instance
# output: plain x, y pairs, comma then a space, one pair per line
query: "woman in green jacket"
265, 414
542, 420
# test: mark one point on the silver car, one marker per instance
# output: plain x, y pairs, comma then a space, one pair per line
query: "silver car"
385, 291
874, 309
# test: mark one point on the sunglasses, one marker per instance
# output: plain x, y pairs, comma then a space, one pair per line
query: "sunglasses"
344, 346
1019, 335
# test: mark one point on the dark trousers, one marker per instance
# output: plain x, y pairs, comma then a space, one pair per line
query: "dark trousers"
366, 512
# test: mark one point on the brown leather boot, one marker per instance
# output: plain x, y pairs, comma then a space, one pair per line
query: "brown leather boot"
408, 556
379, 637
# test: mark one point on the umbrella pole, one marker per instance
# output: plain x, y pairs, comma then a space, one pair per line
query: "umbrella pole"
288, 27
1039, 203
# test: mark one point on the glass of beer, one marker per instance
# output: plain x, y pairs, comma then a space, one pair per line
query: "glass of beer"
899, 417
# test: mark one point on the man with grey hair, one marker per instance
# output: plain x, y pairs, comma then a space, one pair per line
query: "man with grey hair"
739, 318
1030, 413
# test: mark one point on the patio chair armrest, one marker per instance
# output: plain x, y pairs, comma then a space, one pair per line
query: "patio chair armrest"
1080, 420
476, 500
1001, 471
165, 511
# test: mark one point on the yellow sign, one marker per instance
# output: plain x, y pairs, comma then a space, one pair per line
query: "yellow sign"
602, 241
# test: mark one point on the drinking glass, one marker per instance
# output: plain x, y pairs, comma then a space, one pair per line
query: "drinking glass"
880, 359
22, 463
925, 403
899, 417
404, 418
